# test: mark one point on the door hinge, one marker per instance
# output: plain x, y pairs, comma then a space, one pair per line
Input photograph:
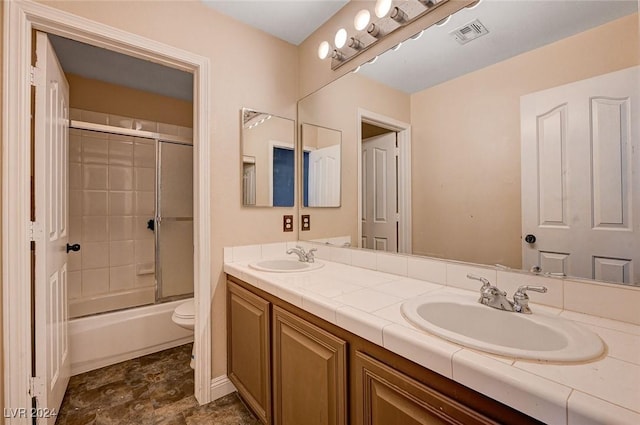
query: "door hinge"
36, 386
397, 151
34, 231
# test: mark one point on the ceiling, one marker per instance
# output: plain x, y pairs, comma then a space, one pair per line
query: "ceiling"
515, 26
289, 20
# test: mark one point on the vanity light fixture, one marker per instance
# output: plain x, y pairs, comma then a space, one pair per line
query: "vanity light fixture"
323, 50
418, 35
396, 47
361, 20
382, 8
392, 15
341, 38
474, 5
443, 21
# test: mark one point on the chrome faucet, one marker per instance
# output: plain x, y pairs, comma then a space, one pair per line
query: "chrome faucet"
303, 256
493, 297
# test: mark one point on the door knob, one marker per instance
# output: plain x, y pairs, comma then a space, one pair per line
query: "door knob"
75, 247
530, 239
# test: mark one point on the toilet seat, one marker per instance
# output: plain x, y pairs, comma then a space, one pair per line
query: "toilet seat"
185, 311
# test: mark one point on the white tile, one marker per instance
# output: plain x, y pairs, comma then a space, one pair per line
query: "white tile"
554, 297
145, 280
74, 284
407, 288
119, 121
121, 203
121, 253
322, 307
272, 250
392, 314
584, 409
609, 379
95, 177
602, 322
75, 261
341, 255
140, 229
94, 117
75, 114
367, 299
186, 132
75, 149
95, 150
144, 154
289, 295
390, 263
95, 229
75, 176
145, 178
611, 301
120, 178
95, 202
76, 201
247, 253
144, 251
145, 203
425, 269
75, 229
169, 129
426, 350
121, 152
95, 255
121, 228
364, 258
121, 278
537, 397
362, 324
146, 125
324, 252
331, 289
457, 276
95, 281
620, 345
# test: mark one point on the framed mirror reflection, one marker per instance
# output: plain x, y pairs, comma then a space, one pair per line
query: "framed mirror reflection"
268, 153
523, 147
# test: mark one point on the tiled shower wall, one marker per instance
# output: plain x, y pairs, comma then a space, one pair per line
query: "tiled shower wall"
112, 196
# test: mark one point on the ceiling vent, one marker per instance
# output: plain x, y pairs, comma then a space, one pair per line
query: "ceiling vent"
468, 32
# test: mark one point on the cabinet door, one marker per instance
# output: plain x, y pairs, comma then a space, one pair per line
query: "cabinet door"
309, 373
385, 396
249, 349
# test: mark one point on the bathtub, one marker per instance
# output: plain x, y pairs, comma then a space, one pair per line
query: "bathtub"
110, 338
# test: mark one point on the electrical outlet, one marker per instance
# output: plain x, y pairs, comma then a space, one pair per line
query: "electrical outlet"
287, 223
305, 222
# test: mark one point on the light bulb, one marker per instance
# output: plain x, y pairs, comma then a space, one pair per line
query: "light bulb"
418, 35
382, 8
323, 50
341, 38
474, 4
362, 19
443, 21
396, 47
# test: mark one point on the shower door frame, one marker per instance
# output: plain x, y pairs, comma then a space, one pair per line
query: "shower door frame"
20, 19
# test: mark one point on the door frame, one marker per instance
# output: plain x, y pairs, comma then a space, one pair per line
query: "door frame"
403, 131
20, 18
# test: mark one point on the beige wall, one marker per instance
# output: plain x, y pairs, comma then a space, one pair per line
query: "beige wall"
336, 106
2, 219
98, 96
466, 143
248, 68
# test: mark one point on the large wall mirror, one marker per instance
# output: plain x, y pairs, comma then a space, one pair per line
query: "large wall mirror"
321, 166
268, 160
523, 143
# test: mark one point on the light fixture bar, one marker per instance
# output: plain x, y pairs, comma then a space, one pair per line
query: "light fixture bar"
393, 19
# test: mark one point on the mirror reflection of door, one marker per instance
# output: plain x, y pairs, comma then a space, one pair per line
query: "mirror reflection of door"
283, 176
322, 166
582, 226
379, 192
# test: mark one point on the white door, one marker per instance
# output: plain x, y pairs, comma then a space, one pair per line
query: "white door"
51, 348
581, 179
324, 177
379, 193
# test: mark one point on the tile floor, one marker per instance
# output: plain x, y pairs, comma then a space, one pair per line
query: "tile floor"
155, 389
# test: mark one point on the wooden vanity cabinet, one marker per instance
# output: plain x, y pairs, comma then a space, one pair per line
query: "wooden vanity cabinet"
249, 348
385, 396
309, 373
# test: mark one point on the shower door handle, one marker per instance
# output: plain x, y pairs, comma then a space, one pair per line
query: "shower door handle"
151, 225
75, 247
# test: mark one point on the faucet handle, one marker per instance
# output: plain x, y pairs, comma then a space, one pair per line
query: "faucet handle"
310, 256
485, 281
521, 299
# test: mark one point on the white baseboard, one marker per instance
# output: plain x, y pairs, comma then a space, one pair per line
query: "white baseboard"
220, 387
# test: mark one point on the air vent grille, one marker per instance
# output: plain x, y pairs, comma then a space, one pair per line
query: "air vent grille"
469, 32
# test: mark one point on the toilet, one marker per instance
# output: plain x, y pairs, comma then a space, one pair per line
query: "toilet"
185, 316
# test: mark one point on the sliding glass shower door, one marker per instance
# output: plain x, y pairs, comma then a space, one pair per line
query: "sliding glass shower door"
174, 220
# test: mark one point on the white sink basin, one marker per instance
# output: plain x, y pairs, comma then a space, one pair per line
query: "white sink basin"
285, 266
461, 319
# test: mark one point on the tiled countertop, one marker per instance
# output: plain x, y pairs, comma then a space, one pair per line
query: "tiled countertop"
367, 303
